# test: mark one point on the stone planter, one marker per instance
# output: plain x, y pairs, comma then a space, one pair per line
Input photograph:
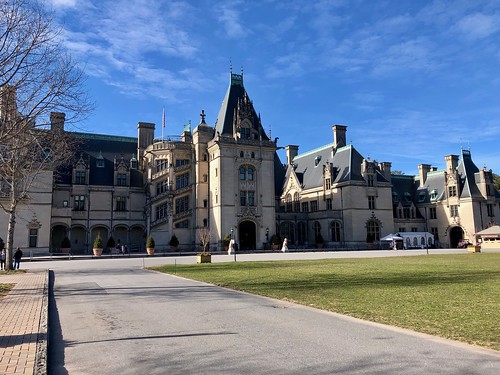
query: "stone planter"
204, 258
97, 252
474, 248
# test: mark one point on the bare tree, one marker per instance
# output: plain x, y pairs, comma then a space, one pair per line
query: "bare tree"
37, 78
204, 236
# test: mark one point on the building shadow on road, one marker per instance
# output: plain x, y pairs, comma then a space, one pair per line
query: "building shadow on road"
55, 362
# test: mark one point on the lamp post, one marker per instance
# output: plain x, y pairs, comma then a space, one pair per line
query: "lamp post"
234, 247
267, 236
426, 243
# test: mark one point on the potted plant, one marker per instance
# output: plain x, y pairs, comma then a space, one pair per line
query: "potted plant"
275, 242
65, 245
319, 241
110, 244
150, 245
174, 243
225, 241
98, 245
204, 236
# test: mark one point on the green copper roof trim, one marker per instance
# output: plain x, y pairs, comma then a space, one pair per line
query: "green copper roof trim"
105, 137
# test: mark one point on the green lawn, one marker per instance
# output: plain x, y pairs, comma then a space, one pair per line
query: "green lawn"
453, 296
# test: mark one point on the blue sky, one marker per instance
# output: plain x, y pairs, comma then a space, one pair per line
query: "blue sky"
413, 81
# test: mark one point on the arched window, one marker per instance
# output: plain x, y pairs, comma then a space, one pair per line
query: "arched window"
288, 202
296, 202
335, 231
317, 228
301, 233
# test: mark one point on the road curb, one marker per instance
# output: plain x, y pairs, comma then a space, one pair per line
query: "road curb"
42, 338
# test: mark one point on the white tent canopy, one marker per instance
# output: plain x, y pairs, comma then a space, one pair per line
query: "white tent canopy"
391, 237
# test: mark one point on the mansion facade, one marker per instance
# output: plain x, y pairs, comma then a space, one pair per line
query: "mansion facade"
228, 179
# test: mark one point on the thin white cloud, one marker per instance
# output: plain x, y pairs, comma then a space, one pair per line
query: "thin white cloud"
478, 25
229, 15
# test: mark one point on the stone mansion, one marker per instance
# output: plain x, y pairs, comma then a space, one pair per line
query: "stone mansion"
228, 179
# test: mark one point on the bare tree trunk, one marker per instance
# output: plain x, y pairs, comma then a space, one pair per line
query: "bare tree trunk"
9, 248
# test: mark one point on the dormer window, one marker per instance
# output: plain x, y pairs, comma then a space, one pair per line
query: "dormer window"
317, 159
434, 195
407, 197
133, 163
100, 161
421, 196
395, 197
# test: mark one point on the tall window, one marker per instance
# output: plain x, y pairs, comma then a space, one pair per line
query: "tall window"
452, 191
79, 203
370, 180
80, 177
181, 180
33, 237
161, 164
121, 203
328, 184
121, 179
305, 206
371, 202
432, 213
247, 198
453, 210
489, 208
288, 201
329, 203
161, 187
161, 211
335, 231
180, 162
434, 231
247, 173
182, 204
316, 229
314, 206
296, 202
372, 231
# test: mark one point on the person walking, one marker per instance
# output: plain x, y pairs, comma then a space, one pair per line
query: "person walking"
17, 258
2, 259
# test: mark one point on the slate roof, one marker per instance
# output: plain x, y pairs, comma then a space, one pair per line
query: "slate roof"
93, 146
347, 162
236, 91
467, 170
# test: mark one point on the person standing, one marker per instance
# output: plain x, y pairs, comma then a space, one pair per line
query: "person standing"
284, 248
2, 259
17, 258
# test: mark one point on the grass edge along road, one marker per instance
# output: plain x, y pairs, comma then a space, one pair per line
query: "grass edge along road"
452, 296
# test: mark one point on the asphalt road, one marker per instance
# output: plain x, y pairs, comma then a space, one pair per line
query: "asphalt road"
111, 316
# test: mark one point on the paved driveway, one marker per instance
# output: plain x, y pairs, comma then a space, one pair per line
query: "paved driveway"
113, 317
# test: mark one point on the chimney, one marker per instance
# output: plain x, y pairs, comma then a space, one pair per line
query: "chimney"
57, 121
291, 152
146, 131
385, 167
339, 136
451, 163
423, 169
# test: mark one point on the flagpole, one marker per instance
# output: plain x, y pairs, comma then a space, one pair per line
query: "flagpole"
162, 123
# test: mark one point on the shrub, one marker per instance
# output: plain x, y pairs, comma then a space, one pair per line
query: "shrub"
65, 244
174, 241
275, 239
319, 238
150, 243
98, 241
111, 242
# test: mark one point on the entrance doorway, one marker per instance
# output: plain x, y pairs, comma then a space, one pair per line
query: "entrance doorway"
456, 235
247, 234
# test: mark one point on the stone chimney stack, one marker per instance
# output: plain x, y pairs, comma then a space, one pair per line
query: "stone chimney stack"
145, 137
339, 136
291, 152
385, 167
451, 163
423, 169
57, 120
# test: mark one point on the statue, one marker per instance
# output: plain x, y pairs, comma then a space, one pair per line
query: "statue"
284, 248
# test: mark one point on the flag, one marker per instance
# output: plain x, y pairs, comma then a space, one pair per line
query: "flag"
163, 119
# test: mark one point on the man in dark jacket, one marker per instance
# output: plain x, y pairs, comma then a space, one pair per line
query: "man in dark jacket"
17, 258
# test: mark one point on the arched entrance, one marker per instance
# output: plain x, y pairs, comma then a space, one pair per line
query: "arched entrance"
58, 233
456, 235
247, 234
